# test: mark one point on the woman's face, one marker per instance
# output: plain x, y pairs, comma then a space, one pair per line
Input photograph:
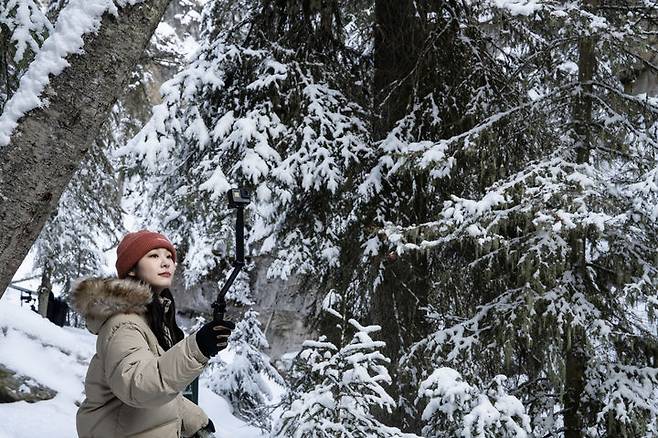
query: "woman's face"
156, 268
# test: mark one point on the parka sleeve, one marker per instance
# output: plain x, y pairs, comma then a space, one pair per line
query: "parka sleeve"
193, 417
140, 378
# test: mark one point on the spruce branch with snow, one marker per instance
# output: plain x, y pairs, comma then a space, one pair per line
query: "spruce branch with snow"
251, 111
23, 29
624, 396
497, 216
544, 267
338, 389
243, 381
455, 408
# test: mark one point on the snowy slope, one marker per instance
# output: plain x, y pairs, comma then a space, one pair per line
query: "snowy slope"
58, 358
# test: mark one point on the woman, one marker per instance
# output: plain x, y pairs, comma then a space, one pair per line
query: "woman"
142, 361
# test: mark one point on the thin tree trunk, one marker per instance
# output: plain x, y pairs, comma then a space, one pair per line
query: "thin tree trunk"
50, 142
4, 66
43, 293
575, 344
583, 104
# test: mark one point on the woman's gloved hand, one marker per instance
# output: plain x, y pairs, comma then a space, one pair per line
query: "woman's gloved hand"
208, 431
213, 337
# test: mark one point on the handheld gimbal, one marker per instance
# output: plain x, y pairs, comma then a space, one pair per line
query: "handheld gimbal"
237, 199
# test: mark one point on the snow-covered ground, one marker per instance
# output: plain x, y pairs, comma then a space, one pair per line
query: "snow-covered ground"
58, 357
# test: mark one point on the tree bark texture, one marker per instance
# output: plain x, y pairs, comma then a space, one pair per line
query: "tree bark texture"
395, 54
43, 292
583, 104
575, 365
50, 142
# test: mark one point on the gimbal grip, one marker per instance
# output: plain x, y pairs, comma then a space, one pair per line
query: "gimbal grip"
218, 311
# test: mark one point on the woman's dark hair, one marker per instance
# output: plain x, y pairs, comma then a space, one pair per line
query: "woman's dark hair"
157, 320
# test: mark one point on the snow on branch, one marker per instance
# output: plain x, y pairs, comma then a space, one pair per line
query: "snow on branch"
439, 157
77, 19
338, 389
225, 115
456, 408
624, 392
244, 380
27, 25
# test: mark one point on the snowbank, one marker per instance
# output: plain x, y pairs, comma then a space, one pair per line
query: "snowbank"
58, 358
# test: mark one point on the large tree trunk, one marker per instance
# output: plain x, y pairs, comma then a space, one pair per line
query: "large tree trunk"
50, 142
396, 53
396, 303
575, 365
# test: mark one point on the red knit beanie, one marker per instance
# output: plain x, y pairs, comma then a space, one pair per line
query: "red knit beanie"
134, 246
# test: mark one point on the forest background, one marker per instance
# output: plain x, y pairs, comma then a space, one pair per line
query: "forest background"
478, 179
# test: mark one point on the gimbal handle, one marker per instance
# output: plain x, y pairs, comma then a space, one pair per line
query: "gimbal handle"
238, 199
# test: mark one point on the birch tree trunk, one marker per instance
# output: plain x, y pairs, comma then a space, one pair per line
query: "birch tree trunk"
50, 142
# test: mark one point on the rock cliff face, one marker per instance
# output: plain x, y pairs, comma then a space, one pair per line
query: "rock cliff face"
644, 81
284, 306
639, 77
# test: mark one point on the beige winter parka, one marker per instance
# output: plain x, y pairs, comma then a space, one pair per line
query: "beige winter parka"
133, 387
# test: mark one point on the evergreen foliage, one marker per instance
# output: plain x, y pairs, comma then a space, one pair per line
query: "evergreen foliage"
542, 268
243, 381
456, 408
252, 111
490, 199
338, 390
54, 7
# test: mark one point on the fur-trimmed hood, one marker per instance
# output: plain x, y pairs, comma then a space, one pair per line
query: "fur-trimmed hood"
97, 299
133, 386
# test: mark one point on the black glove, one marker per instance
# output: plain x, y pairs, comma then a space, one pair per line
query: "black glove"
213, 337
207, 431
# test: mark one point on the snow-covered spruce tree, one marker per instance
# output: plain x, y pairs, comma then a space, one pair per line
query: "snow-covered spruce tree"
433, 79
263, 106
243, 381
337, 390
496, 135
456, 408
538, 238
